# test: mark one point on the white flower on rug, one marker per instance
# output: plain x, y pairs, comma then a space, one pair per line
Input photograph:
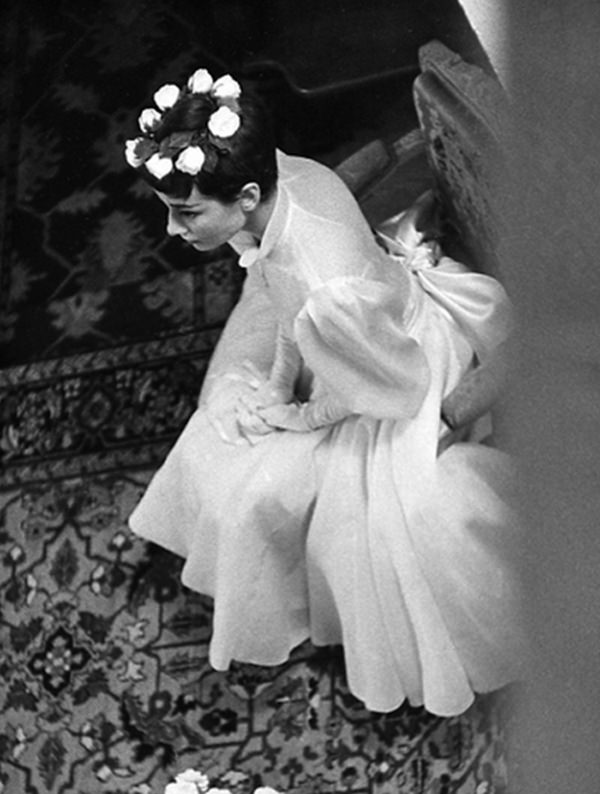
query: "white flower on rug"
189, 782
194, 782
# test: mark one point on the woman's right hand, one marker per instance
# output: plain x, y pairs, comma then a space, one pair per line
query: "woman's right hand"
232, 405
266, 395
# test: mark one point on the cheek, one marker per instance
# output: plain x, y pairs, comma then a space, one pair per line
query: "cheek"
230, 223
215, 227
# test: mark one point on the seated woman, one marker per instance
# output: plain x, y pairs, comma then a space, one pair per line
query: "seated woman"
306, 493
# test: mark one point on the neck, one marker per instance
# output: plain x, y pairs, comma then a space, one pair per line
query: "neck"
259, 218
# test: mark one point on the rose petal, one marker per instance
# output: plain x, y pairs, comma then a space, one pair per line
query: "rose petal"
226, 89
200, 82
149, 119
159, 166
190, 161
133, 159
224, 123
166, 96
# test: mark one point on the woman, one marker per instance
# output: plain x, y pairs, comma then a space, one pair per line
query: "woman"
306, 492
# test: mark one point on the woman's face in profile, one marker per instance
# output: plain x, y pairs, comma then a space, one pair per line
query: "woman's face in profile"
202, 221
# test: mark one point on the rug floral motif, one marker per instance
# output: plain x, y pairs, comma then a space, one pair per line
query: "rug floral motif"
107, 688
86, 263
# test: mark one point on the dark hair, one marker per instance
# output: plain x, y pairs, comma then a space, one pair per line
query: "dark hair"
248, 156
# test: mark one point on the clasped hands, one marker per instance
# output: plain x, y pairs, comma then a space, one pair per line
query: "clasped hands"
244, 407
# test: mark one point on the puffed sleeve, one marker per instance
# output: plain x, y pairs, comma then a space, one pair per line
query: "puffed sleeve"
351, 334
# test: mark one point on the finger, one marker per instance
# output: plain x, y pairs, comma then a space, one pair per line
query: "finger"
254, 437
249, 420
269, 395
230, 435
284, 416
261, 429
254, 429
250, 402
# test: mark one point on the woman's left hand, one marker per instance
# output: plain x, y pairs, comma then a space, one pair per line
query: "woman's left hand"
249, 411
304, 417
252, 425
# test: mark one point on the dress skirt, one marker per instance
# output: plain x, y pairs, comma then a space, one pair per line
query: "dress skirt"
356, 534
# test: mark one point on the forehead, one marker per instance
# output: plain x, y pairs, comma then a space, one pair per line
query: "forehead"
196, 199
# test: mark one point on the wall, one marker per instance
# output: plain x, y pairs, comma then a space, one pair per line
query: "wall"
551, 65
488, 19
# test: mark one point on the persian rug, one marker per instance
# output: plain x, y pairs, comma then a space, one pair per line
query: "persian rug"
85, 260
106, 688
85, 263
106, 329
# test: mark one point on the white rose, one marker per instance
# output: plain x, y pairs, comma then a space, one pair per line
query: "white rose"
199, 779
159, 166
149, 119
181, 788
130, 155
166, 96
190, 161
200, 82
223, 123
226, 89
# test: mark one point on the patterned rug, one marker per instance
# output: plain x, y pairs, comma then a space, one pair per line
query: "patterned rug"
103, 654
86, 263
106, 329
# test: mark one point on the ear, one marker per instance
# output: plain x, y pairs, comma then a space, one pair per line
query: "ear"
249, 196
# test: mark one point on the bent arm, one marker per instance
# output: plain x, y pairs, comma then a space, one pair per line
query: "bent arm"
249, 336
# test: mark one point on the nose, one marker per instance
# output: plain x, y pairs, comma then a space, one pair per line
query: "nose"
174, 226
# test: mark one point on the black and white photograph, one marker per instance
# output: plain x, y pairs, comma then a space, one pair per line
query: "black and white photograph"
299, 397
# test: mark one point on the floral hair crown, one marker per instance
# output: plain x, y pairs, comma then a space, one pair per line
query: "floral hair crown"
188, 152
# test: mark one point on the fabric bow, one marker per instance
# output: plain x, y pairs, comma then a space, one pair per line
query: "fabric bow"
476, 302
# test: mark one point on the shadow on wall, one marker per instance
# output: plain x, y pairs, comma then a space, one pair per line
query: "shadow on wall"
553, 254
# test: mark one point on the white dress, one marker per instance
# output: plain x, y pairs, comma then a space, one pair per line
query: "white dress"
356, 533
